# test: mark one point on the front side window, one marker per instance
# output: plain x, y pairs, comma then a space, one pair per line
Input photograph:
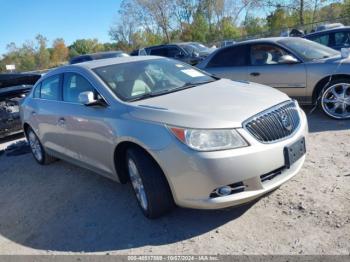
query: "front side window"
264, 54
50, 88
138, 80
230, 56
73, 85
342, 39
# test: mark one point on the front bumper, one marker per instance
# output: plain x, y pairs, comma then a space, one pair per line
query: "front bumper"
193, 175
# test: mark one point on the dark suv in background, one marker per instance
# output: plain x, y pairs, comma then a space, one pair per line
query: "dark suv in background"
336, 38
97, 56
189, 52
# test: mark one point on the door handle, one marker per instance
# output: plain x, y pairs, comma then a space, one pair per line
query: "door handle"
61, 121
255, 74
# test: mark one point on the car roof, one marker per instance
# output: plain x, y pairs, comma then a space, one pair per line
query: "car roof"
97, 55
262, 40
102, 62
343, 28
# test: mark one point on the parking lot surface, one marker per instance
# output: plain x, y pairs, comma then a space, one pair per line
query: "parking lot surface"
63, 209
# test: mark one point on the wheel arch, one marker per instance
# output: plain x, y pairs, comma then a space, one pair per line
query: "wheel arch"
120, 163
321, 83
26, 127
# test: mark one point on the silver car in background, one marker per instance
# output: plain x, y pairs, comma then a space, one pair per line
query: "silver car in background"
180, 135
304, 70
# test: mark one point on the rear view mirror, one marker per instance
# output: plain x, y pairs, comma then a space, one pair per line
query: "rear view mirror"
88, 98
287, 59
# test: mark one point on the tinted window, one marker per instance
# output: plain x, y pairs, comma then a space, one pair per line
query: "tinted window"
159, 51
230, 56
73, 85
36, 93
80, 59
264, 54
50, 88
172, 51
322, 39
342, 39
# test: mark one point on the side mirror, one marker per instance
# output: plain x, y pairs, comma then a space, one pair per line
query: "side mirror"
344, 53
88, 98
195, 54
287, 59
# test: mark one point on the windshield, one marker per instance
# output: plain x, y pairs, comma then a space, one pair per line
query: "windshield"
308, 50
142, 79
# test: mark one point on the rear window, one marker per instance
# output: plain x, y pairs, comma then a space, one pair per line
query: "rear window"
230, 56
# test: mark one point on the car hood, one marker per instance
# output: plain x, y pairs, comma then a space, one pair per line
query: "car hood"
220, 104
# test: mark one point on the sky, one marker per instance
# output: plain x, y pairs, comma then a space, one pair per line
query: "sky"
22, 20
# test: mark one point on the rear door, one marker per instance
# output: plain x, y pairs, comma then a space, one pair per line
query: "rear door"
266, 69
230, 62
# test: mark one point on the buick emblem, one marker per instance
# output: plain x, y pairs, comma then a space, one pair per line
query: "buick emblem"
285, 120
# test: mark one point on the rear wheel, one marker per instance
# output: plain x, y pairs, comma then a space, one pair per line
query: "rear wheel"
37, 149
149, 183
335, 100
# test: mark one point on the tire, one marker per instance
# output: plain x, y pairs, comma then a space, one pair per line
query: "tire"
37, 149
149, 183
335, 99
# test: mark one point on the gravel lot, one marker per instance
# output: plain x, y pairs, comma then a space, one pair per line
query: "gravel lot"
63, 209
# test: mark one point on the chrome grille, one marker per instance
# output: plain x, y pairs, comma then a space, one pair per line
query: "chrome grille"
274, 124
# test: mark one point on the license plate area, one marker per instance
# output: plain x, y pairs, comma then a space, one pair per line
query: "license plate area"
294, 152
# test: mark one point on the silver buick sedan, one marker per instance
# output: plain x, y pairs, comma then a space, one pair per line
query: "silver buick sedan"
181, 136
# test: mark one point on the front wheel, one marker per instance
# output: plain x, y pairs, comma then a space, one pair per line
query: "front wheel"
149, 183
335, 100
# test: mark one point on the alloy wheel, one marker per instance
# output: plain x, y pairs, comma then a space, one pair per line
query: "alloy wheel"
137, 184
35, 146
336, 101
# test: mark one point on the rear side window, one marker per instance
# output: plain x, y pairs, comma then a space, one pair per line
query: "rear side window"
173, 51
36, 93
230, 56
50, 88
73, 85
322, 39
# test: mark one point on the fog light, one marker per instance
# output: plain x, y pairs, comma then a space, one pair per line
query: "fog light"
224, 191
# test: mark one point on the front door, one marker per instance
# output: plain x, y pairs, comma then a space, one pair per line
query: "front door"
90, 138
267, 69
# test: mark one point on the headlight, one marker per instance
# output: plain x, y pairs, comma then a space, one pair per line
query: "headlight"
209, 139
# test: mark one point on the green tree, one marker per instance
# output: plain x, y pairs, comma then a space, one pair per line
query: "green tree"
199, 28
227, 29
254, 25
43, 54
86, 46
